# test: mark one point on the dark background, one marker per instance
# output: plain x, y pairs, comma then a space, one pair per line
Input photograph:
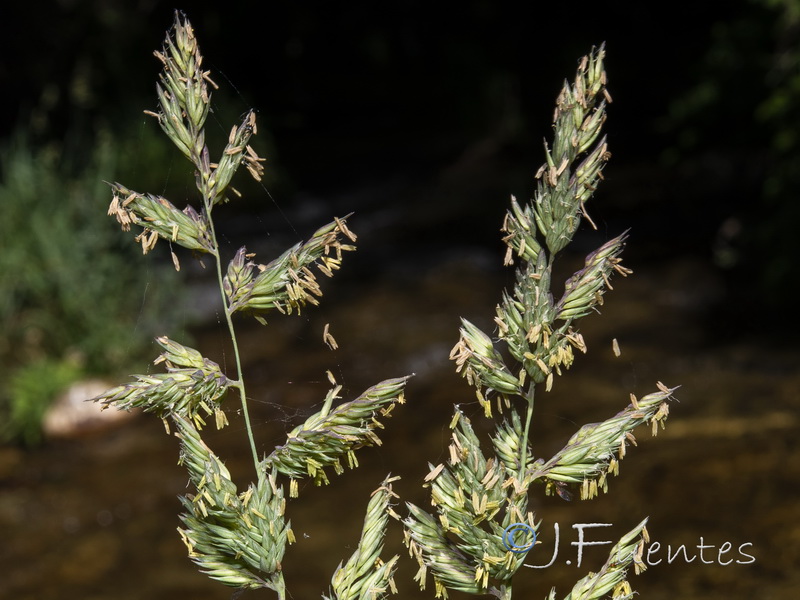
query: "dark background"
422, 118
376, 98
384, 97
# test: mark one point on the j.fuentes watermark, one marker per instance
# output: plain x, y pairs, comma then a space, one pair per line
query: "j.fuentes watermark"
521, 537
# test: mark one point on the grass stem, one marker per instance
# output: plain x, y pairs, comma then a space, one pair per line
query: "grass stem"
523, 459
232, 332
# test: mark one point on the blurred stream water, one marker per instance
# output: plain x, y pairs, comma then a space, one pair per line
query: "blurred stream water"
95, 518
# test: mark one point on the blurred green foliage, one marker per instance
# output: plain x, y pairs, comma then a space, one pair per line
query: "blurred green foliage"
70, 281
31, 389
744, 106
779, 113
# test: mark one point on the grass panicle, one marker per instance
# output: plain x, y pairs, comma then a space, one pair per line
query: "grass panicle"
476, 497
240, 539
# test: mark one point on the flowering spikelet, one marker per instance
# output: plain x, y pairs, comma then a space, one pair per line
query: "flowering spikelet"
365, 575
332, 434
193, 386
287, 283
237, 539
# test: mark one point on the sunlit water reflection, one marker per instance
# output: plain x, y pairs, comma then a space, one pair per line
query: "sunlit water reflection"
95, 518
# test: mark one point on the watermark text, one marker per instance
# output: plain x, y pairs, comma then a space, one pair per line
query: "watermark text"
521, 537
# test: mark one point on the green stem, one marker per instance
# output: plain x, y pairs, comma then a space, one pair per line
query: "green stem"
279, 585
232, 332
523, 459
242, 393
504, 593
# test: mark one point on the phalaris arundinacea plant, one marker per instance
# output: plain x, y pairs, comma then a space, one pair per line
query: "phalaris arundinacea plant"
478, 498
240, 537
